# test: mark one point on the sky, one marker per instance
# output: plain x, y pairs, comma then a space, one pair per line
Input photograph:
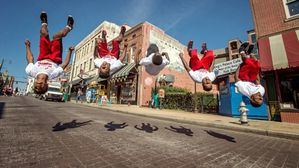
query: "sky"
211, 21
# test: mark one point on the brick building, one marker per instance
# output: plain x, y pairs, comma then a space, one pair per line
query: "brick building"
135, 84
131, 83
277, 29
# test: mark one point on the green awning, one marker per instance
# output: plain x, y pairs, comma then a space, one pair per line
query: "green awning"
125, 71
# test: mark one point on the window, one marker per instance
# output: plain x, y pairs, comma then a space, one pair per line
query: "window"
76, 72
132, 55
90, 62
291, 8
84, 66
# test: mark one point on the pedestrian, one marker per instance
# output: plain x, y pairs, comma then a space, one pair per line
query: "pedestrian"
154, 62
79, 96
50, 56
247, 80
200, 70
108, 62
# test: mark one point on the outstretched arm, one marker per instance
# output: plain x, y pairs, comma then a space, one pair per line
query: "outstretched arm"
68, 58
124, 53
29, 55
184, 62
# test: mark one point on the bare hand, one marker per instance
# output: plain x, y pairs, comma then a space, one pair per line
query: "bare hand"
164, 53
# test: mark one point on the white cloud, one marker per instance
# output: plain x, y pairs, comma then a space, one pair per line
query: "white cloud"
138, 11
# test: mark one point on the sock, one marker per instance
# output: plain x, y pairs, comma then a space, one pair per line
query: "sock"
44, 24
67, 26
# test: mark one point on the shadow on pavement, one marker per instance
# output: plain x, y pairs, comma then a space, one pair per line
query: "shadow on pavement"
221, 136
147, 128
181, 130
2, 104
113, 127
72, 124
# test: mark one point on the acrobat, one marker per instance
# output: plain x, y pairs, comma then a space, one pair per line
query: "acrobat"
200, 70
247, 80
154, 62
49, 63
108, 62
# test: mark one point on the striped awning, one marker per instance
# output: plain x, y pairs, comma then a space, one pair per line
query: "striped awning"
125, 71
279, 51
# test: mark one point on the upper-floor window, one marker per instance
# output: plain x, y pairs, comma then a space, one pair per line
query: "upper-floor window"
291, 8
90, 63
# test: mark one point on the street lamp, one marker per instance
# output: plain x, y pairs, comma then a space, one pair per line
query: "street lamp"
195, 98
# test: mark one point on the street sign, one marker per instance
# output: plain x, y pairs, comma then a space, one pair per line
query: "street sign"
227, 67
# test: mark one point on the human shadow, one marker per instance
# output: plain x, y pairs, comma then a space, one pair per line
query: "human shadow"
221, 136
113, 127
73, 124
181, 130
147, 128
2, 105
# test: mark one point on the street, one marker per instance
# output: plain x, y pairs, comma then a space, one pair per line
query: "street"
31, 136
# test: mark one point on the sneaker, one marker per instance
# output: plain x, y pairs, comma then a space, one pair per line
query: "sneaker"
243, 47
70, 21
43, 17
122, 30
250, 49
190, 45
203, 48
104, 34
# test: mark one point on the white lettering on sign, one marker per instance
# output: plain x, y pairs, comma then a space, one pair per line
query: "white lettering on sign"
227, 67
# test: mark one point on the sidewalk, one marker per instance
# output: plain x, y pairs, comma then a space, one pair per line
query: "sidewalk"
268, 128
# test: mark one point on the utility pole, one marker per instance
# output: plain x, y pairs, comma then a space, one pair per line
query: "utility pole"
195, 98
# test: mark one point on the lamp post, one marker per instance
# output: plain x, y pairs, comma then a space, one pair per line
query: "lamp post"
195, 98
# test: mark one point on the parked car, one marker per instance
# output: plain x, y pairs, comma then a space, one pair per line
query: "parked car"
54, 92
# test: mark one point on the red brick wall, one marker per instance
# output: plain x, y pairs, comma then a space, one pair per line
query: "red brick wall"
291, 117
270, 17
182, 80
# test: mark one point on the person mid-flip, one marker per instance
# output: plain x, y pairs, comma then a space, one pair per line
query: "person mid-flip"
49, 63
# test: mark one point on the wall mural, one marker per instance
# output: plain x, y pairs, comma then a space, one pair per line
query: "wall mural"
173, 48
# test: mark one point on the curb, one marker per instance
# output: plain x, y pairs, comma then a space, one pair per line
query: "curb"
214, 125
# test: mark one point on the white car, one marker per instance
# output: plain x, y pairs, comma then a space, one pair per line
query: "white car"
54, 92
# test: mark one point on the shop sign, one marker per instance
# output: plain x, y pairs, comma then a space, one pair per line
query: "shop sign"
227, 67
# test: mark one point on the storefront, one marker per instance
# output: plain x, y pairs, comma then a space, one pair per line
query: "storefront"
280, 66
123, 85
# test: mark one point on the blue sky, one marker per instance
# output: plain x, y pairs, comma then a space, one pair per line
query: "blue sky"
212, 21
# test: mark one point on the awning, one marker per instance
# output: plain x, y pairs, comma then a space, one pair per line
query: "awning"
279, 51
76, 81
125, 71
96, 78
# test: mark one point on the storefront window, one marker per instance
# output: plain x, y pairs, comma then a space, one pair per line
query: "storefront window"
289, 86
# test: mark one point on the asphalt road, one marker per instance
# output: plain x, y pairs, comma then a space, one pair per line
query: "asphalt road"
35, 133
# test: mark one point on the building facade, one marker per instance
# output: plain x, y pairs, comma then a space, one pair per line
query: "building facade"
277, 31
83, 70
132, 84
